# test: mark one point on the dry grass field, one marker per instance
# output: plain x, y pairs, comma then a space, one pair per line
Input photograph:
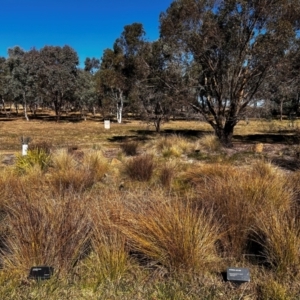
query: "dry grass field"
127, 213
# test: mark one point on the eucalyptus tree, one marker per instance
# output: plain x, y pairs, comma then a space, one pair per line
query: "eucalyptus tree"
111, 80
85, 95
160, 84
118, 70
295, 73
91, 65
3, 82
23, 73
236, 44
282, 87
58, 74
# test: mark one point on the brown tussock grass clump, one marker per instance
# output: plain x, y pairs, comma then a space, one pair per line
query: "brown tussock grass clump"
13, 185
140, 168
45, 146
278, 233
237, 197
170, 233
110, 258
46, 231
70, 174
294, 184
130, 148
167, 174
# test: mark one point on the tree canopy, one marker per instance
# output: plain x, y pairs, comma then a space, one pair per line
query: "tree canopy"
236, 45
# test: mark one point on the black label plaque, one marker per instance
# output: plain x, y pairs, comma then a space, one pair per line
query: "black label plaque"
40, 272
238, 275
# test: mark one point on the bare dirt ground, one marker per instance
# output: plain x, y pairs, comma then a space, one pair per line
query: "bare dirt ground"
259, 139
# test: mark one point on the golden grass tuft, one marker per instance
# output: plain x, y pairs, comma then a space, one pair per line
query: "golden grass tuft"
258, 148
210, 142
170, 233
109, 259
171, 146
37, 158
70, 174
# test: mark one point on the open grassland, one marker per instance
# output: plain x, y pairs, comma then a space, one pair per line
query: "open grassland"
127, 213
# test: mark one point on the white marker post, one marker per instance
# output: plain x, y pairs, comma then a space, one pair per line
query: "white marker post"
25, 141
107, 124
24, 149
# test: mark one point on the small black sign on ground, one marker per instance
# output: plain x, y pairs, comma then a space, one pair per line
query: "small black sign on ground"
40, 273
238, 275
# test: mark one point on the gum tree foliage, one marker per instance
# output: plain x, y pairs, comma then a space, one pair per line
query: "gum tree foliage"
91, 65
295, 74
3, 82
85, 96
58, 75
22, 81
118, 70
160, 85
282, 87
111, 81
235, 46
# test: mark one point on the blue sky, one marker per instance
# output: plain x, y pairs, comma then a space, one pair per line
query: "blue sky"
88, 26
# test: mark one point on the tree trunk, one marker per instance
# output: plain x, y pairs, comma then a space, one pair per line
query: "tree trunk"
157, 124
119, 113
57, 107
25, 107
281, 109
225, 134
120, 107
4, 108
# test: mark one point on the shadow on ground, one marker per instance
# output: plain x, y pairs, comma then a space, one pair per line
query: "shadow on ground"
267, 138
286, 163
145, 135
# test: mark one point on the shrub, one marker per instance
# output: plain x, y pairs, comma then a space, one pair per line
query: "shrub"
140, 168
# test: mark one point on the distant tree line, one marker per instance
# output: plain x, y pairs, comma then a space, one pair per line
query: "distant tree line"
224, 60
